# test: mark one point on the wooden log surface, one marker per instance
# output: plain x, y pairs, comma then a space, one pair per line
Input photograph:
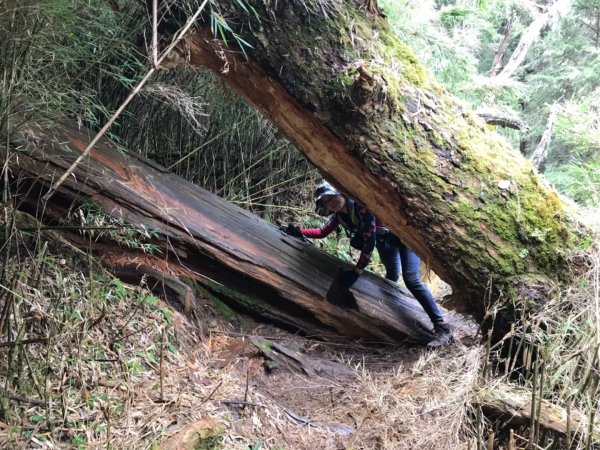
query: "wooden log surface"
512, 405
204, 239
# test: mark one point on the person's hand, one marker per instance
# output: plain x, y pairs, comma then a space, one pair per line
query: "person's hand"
292, 230
348, 277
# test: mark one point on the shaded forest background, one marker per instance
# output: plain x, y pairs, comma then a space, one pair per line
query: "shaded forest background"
81, 60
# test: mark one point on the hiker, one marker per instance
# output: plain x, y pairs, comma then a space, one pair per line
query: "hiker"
366, 233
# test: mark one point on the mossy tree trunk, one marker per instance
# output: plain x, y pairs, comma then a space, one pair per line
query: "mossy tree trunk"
363, 110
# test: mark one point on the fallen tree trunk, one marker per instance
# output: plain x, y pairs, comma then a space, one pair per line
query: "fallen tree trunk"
512, 405
363, 110
200, 238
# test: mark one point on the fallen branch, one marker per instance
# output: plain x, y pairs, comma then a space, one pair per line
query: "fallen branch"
31, 401
512, 405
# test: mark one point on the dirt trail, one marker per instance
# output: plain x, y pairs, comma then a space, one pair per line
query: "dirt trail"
374, 397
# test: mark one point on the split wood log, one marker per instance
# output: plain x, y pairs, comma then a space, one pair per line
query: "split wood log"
203, 239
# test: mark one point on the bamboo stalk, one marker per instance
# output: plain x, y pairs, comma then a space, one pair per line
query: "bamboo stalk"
155, 34
490, 441
532, 423
487, 355
106, 412
540, 397
510, 346
121, 108
160, 368
590, 431
569, 439
247, 385
511, 440
479, 427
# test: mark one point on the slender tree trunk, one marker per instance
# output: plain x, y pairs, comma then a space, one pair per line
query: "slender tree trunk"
364, 111
530, 35
541, 151
503, 46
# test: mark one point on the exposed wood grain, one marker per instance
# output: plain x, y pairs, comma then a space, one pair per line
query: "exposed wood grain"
208, 241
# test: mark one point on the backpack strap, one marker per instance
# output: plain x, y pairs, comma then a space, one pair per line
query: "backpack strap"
349, 220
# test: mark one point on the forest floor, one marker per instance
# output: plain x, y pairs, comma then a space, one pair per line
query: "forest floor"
102, 364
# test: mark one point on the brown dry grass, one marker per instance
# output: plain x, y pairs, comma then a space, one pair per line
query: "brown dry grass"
92, 376
97, 378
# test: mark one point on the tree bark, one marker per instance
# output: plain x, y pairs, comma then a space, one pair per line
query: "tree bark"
216, 247
364, 111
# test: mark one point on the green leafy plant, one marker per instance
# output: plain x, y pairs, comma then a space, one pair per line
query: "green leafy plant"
580, 181
36, 418
78, 441
54, 47
134, 367
221, 28
98, 225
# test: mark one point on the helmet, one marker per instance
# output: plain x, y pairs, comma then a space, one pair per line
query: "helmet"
322, 190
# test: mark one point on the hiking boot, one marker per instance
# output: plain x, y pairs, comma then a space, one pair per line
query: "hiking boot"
442, 335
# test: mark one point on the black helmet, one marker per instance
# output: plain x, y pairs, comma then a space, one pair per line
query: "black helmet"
322, 190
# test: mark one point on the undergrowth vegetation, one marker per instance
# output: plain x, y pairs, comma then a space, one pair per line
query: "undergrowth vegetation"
90, 362
79, 347
555, 353
55, 53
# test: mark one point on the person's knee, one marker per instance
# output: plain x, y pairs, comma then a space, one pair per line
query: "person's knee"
392, 270
392, 275
412, 280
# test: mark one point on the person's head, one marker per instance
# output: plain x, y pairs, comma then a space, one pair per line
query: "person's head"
328, 200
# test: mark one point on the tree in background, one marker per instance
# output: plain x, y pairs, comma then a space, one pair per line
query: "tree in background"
565, 68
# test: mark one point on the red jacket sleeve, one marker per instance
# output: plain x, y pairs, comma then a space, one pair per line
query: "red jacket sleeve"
324, 231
